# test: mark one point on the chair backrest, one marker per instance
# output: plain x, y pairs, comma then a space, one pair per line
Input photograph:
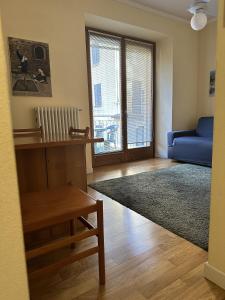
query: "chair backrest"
205, 127
28, 132
79, 132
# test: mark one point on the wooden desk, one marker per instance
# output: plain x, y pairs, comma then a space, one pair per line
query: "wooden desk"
48, 164
44, 165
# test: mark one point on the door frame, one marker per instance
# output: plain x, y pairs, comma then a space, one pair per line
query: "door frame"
126, 154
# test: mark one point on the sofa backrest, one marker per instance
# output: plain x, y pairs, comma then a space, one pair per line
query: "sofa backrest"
205, 127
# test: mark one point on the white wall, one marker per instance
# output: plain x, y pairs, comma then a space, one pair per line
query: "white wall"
164, 95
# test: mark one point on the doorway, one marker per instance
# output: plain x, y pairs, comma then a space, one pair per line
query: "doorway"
121, 88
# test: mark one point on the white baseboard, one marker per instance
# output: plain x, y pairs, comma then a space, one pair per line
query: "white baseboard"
161, 153
89, 170
214, 275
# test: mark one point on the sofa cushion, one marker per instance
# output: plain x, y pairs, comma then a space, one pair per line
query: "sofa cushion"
193, 149
205, 127
181, 133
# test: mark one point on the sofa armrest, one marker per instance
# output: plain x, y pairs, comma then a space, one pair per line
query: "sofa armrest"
175, 134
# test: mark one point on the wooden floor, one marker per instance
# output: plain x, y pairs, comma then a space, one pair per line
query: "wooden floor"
143, 260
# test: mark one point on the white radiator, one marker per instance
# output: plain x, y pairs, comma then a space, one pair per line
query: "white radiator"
56, 121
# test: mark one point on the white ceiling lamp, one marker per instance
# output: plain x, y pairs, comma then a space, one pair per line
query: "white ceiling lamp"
199, 11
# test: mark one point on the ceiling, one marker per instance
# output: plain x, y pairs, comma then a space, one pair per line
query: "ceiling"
177, 8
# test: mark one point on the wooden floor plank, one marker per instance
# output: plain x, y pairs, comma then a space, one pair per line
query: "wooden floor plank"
143, 260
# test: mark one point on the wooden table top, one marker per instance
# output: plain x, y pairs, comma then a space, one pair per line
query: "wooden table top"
37, 142
50, 207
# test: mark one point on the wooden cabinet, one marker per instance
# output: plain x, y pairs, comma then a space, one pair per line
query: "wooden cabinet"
66, 165
31, 170
43, 165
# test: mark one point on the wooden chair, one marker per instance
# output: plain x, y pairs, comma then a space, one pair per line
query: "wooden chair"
73, 132
28, 132
51, 207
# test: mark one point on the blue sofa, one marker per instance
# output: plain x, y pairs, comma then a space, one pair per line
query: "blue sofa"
193, 146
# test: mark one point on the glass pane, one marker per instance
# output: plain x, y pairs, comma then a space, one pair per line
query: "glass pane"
106, 92
139, 74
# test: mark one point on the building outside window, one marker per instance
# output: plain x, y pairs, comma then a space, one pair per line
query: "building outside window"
98, 94
95, 52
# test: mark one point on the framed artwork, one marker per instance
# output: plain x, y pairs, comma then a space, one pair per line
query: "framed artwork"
30, 68
212, 83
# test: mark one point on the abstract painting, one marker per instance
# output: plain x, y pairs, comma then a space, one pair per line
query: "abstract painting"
212, 83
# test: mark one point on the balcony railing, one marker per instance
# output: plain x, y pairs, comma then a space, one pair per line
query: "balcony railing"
109, 128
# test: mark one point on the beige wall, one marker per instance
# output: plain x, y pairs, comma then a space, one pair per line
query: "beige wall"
62, 25
13, 281
207, 63
215, 270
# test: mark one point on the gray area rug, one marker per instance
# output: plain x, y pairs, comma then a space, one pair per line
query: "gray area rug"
177, 198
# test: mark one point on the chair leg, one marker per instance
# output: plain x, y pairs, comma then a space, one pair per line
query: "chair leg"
72, 232
101, 252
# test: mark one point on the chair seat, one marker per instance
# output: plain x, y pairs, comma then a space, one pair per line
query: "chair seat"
50, 207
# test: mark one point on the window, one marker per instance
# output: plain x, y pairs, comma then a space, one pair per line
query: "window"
139, 87
140, 136
137, 97
106, 91
39, 52
98, 94
121, 89
95, 55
